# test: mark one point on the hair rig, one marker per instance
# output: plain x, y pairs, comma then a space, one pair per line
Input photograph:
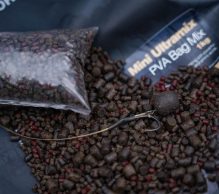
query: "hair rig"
164, 103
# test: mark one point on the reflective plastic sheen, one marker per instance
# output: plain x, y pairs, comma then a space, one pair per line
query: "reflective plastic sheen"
44, 69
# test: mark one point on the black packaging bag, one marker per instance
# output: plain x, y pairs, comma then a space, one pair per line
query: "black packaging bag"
124, 27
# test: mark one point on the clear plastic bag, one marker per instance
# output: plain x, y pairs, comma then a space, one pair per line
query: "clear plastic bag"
44, 69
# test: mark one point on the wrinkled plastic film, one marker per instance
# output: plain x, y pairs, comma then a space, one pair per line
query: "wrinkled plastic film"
44, 69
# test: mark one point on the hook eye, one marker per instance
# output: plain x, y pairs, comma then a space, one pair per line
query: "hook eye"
149, 115
157, 122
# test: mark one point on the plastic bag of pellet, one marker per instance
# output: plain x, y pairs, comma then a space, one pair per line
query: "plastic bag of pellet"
44, 69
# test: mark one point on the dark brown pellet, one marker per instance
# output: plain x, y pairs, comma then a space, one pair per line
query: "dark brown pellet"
14, 138
107, 191
132, 81
185, 161
124, 154
68, 185
120, 184
175, 151
189, 150
213, 144
89, 159
111, 94
28, 157
95, 151
187, 125
111, 157
188, 179
154, 162
185, 116
200, 179
123, 138
133, 106
129, 170
78, 158
96, 72
50, 170
52, 186
104, 172
212, 177
108, 67
161, 176
99, 84
171, 122
74, 177
193, 169
109, 76
177, 173
209, 166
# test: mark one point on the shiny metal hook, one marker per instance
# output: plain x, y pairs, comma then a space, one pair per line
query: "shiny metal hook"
148, 114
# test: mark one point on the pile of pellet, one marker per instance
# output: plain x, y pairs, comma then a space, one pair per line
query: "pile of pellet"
126, 159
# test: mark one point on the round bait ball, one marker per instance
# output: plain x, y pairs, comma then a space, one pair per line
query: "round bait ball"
166, 102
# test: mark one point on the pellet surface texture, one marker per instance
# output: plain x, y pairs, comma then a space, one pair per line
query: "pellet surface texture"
125, 160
